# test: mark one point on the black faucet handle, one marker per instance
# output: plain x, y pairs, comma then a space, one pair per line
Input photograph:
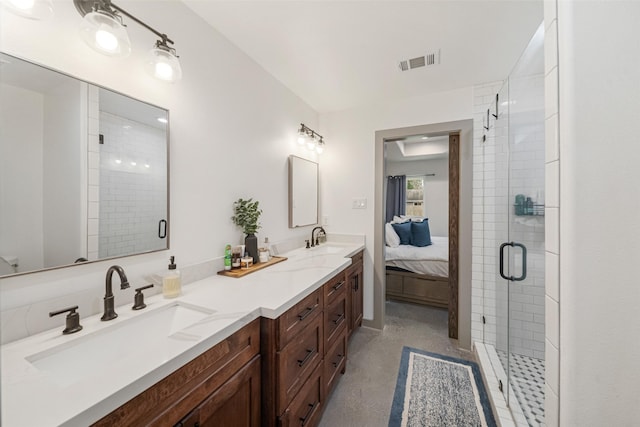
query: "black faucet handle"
72, 321
307, 241
138, 298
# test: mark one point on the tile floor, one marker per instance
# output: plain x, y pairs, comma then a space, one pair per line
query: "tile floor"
527, 381
364, 394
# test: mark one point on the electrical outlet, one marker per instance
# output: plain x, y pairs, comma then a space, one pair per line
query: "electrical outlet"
325, 220
359, 203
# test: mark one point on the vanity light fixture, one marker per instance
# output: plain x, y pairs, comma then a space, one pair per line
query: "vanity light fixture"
104, 31
32, 9
314, 141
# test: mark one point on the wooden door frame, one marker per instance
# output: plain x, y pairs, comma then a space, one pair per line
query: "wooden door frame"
454, 214
460, 319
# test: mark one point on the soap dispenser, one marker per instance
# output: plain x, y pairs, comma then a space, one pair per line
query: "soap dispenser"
171, 286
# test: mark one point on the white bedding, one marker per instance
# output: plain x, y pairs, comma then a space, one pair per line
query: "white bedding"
432, 260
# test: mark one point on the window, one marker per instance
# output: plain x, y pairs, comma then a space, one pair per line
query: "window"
415, 196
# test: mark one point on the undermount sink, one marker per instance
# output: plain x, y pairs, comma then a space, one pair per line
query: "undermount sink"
154, 336
326, 249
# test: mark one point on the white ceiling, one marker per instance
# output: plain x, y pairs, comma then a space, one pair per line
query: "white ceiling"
340, 54
417, 147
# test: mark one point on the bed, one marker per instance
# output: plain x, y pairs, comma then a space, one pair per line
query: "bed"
419, 274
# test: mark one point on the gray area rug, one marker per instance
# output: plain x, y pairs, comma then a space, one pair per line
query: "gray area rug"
435, 391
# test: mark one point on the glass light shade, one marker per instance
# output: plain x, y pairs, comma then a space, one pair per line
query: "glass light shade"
163, 64
320, 147
104, 34
302, 137
32, 9
311, 143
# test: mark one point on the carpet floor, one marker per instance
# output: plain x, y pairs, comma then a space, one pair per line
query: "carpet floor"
364, 394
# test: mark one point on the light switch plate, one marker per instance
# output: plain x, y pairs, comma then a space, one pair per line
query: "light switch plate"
360, 203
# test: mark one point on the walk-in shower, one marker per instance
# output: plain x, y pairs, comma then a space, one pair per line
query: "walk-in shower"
509, 236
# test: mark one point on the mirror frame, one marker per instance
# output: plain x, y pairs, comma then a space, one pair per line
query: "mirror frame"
168, 173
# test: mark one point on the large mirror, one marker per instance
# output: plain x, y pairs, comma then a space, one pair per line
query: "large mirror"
303, 192
83, 171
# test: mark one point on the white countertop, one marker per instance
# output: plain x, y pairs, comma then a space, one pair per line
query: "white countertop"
33, 397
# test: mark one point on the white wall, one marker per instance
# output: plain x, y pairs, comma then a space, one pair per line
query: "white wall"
436, 189
21, 155
598, 212
350, 158
64, 239
233, 127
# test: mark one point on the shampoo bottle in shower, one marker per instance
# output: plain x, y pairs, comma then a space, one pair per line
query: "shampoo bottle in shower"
171, 286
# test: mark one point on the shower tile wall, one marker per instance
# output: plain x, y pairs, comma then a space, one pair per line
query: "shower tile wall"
131, 194
483, 240
491, 208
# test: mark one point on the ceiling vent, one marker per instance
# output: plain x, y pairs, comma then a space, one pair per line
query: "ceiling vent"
431, 58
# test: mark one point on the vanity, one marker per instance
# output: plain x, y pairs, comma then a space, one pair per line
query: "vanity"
266, 349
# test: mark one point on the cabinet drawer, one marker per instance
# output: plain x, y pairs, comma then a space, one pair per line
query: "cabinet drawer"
298, 317
305, 410
297, 360
335, 319
334, 288
335, 361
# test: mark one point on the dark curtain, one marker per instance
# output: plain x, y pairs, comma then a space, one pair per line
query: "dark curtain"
396, 196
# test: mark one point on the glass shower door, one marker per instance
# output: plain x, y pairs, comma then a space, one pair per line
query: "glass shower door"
519, 229
525, 273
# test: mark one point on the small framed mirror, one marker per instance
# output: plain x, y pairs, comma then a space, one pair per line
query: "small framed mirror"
303, 192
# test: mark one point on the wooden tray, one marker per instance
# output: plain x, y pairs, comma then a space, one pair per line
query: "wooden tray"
239, 272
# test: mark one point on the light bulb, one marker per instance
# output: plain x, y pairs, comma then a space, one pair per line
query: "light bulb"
164, 71
320, 148
106, 40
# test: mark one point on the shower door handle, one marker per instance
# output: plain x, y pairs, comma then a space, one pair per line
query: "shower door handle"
162, 229
524, 262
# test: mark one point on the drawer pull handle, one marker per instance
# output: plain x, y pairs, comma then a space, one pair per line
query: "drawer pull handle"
307, 312
335, 364
338, 286
306, 358
339, 319
312, 407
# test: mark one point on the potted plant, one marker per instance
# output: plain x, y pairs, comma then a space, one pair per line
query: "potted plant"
247, 213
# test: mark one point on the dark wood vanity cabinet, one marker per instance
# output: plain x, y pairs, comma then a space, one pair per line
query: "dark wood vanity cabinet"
336, 314
292, 350
223, 383
272, 372
353, 277
235, 403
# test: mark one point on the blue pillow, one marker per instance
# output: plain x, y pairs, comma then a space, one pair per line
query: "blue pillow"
403, 231
420, 234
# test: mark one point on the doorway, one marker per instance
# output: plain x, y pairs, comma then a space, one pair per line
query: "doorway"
459, 133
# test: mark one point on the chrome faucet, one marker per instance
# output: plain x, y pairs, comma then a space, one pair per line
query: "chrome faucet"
315, 242
109, 312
